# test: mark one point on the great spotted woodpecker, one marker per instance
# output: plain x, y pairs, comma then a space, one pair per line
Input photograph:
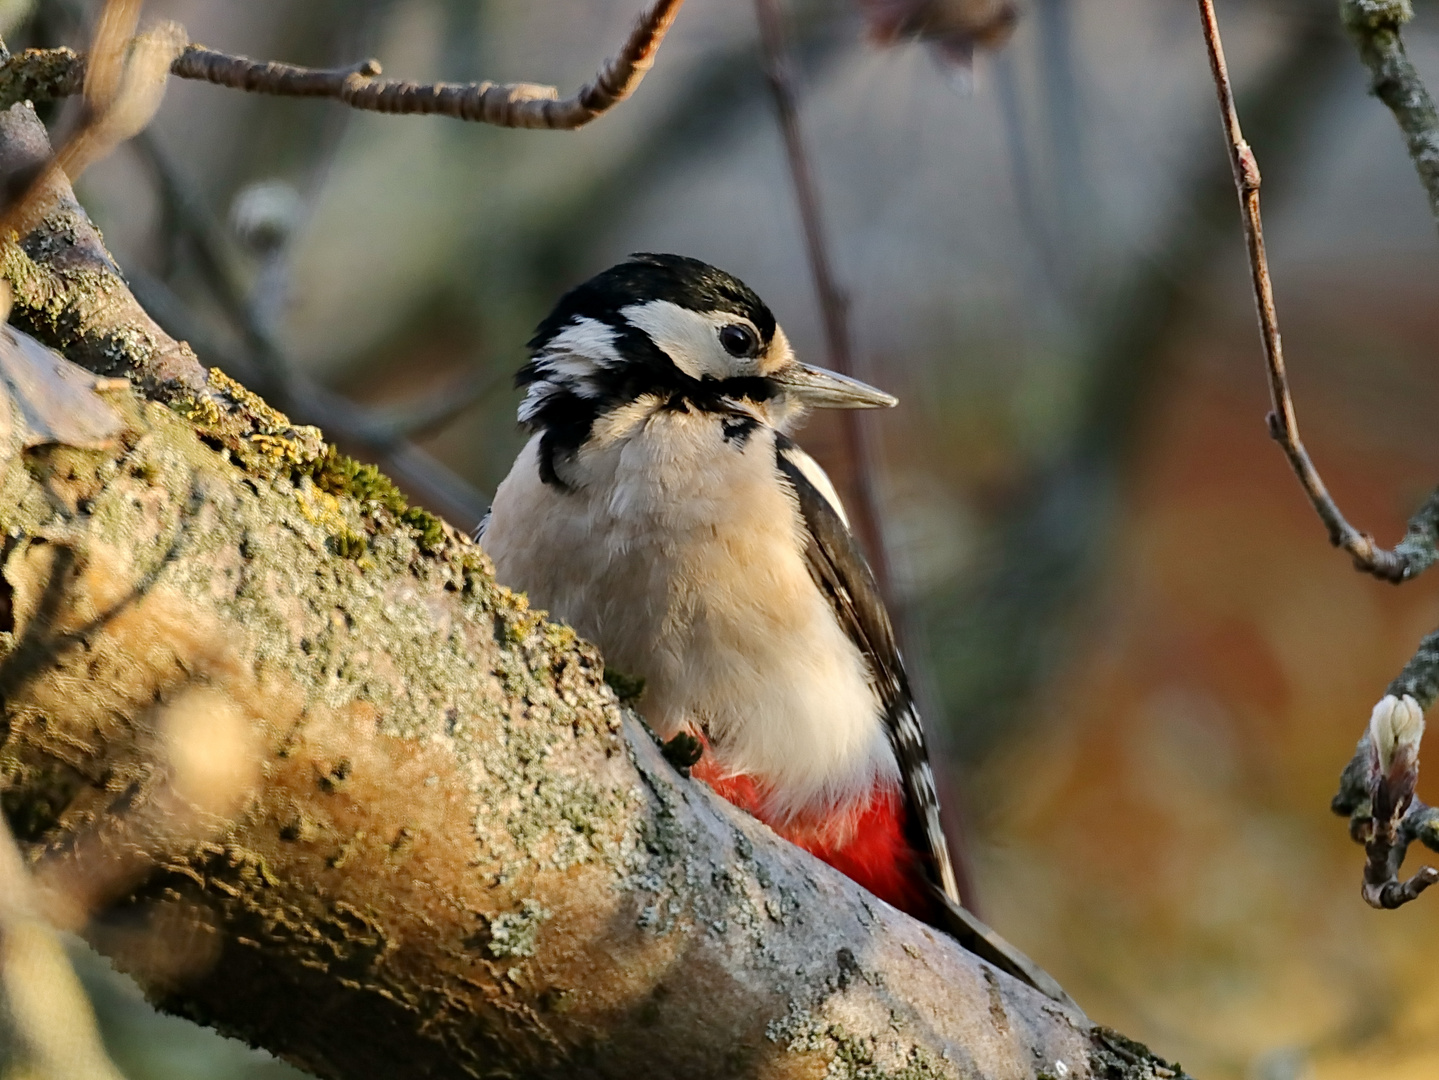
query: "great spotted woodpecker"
660, 508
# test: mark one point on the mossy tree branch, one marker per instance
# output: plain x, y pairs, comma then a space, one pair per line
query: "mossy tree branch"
456, 853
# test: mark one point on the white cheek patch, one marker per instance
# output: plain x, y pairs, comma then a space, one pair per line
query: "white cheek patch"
587, 338
535, 399
691, 338
566, 366
570, 363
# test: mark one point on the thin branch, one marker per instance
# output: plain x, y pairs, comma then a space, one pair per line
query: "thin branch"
372, 432
1395, 566
437, 409
1376, 789
1042, 249
55, 73
1375, 27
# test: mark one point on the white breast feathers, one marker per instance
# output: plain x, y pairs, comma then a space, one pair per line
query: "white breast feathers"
679, 550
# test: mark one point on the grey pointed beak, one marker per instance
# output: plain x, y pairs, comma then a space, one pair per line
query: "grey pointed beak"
822, 389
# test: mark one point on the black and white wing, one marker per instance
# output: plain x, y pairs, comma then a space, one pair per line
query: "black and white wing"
842, 574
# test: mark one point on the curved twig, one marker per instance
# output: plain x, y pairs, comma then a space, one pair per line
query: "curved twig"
1398, 564
55, 73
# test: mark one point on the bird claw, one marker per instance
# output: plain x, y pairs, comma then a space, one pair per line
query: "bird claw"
684, 751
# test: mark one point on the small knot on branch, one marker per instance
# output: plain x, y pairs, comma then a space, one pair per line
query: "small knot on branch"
1247, 166
1386, 565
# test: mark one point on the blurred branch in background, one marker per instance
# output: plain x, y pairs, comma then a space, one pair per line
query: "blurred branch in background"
1043, 249
47, 1028
1375, 27
46, 74
955, 29
1063, 105
382, 435
1008, 624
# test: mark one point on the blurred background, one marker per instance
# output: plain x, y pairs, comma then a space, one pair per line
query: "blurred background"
1142, 662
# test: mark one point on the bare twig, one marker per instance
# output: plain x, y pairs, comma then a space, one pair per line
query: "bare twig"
53, 74
1388, 565
1376, 789
1375, 27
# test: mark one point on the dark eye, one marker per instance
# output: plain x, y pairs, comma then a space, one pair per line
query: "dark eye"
739, 341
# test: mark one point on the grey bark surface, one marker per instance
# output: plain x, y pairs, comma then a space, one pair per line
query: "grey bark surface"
455, 852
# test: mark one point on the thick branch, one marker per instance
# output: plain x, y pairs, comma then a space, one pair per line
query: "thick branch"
458, 854
52, 73
1375, 27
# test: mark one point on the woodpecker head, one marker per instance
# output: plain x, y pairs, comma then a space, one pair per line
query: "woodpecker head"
676, 329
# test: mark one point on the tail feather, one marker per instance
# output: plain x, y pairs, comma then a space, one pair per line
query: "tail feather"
979, 939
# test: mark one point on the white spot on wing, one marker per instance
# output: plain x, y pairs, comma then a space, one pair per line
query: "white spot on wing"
818, 477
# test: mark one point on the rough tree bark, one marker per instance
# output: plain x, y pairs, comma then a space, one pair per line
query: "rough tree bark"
458, 854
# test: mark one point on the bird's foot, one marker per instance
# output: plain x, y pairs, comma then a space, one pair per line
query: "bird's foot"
684, 751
